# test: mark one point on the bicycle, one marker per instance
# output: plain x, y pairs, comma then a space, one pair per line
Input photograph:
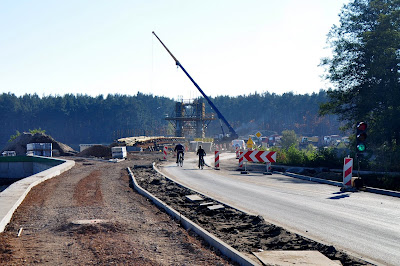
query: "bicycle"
180, 160
201, 163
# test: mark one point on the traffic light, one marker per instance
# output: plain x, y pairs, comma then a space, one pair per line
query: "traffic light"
361, 136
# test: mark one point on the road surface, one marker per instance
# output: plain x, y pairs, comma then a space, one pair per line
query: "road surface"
363, 224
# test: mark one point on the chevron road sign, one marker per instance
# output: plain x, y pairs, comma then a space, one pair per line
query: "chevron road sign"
259, 156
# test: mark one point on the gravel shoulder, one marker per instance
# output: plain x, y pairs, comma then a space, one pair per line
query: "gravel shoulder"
123, 226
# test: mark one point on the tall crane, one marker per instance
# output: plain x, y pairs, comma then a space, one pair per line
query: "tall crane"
233, 134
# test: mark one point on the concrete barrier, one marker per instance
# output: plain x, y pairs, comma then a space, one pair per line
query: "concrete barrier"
215, 242
13, 196
340, 184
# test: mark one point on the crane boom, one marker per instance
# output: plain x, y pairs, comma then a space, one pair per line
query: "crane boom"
219, 114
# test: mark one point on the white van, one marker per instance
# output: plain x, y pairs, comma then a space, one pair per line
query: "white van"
238, 143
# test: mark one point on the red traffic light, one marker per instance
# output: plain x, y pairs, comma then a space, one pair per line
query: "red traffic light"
362, 126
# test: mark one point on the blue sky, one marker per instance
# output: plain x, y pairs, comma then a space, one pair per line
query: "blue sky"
229, 47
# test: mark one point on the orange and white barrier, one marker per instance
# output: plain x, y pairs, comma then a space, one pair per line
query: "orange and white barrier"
216, 159
240, 159
165, 152
347, 171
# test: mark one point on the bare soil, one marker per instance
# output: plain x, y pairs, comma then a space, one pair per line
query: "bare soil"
125, 229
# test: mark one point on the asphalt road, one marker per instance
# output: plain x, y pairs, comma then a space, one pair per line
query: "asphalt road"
364, 224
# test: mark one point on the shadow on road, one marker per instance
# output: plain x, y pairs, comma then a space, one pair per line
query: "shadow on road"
341, 195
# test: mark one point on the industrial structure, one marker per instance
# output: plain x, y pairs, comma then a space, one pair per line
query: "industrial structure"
190, 119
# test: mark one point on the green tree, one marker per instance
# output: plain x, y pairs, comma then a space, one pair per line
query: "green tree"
365, 70
12, 137
295, 156
37, 130
288, 139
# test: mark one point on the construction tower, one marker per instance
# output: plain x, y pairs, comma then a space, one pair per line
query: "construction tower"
190, 119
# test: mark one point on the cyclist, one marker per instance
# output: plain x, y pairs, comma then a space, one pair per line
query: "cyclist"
201, 152
179, 149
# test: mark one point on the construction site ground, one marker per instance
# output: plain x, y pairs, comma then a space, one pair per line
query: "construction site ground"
90, 215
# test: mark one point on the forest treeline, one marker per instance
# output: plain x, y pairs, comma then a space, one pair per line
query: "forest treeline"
75, 119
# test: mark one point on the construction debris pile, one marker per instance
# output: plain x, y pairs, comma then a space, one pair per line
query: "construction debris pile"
98, 151
151, 143
19, 144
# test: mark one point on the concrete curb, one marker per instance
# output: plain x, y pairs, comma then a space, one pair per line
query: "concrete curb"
225, 249
313, 179
340, 184
382, 192
13, 196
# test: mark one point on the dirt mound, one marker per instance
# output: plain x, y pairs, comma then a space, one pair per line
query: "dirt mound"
100, 151
19, 144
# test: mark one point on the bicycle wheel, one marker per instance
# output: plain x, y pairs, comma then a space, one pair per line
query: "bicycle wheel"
180, 160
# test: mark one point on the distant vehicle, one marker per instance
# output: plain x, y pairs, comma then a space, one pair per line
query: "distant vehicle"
238, 143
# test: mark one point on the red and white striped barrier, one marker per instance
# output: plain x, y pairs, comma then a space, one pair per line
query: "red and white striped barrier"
347, 171
259, 156
240, 159
237, 149
216, 159
165, 152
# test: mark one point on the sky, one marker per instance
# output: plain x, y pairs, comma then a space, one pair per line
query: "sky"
229, 47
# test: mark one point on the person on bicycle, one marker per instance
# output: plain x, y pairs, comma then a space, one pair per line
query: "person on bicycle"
201, 152
179, 149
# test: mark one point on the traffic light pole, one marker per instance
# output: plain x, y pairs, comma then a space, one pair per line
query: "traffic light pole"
361, 136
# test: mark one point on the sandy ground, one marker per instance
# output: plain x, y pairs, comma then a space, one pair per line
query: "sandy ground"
124, 227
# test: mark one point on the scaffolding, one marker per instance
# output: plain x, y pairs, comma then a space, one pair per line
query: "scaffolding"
190, 119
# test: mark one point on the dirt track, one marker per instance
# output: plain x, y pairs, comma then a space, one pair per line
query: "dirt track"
132, 231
